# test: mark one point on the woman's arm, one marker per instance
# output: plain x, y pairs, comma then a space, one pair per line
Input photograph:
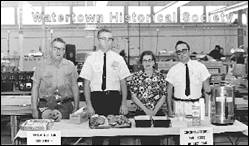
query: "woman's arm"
141, 105
159, 104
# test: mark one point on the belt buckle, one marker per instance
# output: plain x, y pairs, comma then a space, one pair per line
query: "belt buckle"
106, 92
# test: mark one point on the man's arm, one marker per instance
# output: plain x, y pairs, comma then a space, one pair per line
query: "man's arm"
34, 100
207, 94
87, 93
169, 98
75, 90
123, 108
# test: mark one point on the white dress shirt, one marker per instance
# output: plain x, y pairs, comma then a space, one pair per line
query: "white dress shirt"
116, 70
198, 73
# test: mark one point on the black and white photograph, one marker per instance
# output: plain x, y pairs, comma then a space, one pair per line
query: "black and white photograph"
124, 72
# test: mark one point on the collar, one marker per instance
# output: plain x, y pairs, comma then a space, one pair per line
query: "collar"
63, 61
189, 61
153, 73
101, 52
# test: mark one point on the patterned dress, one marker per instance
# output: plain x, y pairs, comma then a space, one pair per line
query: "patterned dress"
148, 89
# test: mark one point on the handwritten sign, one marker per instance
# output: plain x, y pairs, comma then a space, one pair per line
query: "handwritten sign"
43, 137
196, 136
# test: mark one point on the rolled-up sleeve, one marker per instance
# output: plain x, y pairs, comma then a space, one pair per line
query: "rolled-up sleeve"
37, 74
123, 70
204, 72
170, 76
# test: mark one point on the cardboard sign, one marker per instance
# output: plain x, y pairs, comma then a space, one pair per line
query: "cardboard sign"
196, 136
43, 137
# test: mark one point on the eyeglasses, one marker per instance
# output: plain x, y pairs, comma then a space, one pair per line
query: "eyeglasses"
149, 60
183, 51
106, 39
58, 49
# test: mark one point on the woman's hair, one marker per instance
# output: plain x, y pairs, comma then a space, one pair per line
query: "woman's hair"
148, 53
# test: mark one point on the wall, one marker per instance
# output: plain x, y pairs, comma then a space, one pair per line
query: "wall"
200, 38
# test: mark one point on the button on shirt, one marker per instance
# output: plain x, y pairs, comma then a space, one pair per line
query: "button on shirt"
51, 78
197, 74
116, 70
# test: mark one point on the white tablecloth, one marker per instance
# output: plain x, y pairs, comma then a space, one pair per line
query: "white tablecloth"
69, 129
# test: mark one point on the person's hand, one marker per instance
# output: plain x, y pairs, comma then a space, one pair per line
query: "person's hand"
123, 109
90, 110
35, 113
149, 112
154, 112
74, 110
171, 114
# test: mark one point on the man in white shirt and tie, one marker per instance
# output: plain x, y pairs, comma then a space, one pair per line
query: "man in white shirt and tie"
105, 72
188, 78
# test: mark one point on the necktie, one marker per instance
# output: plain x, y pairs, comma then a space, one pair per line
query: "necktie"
104, 74
187, 89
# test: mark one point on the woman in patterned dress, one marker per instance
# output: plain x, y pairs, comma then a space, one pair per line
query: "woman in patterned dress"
148, 87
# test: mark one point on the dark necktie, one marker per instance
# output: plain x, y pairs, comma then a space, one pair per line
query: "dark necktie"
104, 74
187, 89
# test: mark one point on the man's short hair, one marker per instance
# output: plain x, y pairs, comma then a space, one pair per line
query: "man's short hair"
182, 42
58, 40
103, 30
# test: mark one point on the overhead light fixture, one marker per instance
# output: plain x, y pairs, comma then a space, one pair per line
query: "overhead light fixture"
90, 27
101, 3
232, 8
173, 4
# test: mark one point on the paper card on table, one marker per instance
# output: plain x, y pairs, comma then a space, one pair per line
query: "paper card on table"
43, 137
196, 136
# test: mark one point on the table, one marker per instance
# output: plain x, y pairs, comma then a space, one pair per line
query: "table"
69, 129
14, 111
13, 106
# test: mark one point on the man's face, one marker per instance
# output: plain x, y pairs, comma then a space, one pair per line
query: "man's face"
58, 50
105, 40
182, 52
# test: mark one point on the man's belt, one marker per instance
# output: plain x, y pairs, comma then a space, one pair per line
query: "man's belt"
106, 92
186, 100
64, 100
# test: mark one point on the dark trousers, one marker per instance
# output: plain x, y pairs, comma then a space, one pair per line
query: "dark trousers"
106, 103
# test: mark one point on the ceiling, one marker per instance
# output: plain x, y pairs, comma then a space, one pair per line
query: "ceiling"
116, 3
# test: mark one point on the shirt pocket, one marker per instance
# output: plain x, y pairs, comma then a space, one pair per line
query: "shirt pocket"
179, 80
97, 68
48, 79
115, 65
67, 77
196, 78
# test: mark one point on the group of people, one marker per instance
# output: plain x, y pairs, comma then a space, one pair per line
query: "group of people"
107, 80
